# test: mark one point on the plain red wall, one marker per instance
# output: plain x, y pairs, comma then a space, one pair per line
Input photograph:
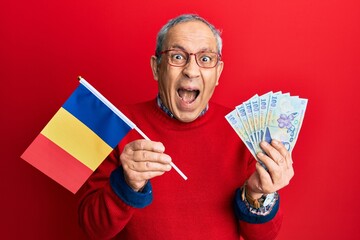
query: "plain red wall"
309, 48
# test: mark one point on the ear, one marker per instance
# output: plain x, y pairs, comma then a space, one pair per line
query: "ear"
154, 67
219, 69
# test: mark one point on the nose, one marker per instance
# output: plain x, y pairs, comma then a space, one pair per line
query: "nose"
192, 69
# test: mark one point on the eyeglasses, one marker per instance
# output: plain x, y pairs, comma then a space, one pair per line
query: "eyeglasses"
179, 58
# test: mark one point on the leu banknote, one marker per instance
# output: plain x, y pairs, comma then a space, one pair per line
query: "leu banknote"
269, 116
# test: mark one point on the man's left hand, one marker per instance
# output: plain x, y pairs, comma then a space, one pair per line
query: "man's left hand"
278, 174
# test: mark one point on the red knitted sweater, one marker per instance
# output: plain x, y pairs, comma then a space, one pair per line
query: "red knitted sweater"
216, 163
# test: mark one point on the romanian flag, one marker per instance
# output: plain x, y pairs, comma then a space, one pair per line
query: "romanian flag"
78, 138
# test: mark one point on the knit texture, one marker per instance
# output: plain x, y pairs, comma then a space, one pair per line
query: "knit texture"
216, 163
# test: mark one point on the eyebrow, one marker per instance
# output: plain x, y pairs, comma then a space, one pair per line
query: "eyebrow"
177, 46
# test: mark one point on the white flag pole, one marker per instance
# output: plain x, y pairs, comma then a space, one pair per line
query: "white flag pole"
123, 117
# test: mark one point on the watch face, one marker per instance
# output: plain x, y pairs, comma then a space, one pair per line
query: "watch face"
268, 199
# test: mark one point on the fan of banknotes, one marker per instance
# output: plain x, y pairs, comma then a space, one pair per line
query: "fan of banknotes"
270, 116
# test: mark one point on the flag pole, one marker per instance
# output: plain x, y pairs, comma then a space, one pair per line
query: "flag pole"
122, 116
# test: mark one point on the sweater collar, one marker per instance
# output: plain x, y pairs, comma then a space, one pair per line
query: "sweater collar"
169, 113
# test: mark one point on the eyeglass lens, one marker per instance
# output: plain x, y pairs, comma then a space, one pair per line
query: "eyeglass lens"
203, 59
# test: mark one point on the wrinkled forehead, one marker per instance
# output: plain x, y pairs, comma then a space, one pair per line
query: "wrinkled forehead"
190, 36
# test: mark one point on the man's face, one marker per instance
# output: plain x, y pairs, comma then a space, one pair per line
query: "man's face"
185, 91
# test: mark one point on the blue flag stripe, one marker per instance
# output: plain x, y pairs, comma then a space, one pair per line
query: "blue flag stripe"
91, 111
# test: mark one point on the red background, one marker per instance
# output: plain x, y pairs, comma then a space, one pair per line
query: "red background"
309, 48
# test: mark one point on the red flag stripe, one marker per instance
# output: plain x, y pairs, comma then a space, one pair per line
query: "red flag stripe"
55, 162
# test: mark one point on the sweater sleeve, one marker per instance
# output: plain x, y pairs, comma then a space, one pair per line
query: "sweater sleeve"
261, 231
257, 226
106, 203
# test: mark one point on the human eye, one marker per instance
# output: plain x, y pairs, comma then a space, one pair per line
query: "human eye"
207, 57
177, 56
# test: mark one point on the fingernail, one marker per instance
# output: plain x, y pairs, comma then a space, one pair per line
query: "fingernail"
275, 142
167, 159
260, 154
264, 143
159, 147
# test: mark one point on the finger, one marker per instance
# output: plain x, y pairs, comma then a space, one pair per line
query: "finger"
266, 183
267, 161
149, 156
272, 152
147, 145
134, 176
273, 169
134, 158
149, 166
283, 151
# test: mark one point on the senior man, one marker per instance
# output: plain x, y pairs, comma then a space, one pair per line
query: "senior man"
134, 195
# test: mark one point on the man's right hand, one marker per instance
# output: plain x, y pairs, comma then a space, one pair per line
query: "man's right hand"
143, 160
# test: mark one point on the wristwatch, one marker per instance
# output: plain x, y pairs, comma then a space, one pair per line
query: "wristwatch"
263, 201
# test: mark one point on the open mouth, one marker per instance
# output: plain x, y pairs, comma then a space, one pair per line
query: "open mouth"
188, 96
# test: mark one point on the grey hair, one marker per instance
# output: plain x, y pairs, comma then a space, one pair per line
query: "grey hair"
181, 19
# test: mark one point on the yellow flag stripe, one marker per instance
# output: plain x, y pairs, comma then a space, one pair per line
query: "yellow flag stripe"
77, 139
